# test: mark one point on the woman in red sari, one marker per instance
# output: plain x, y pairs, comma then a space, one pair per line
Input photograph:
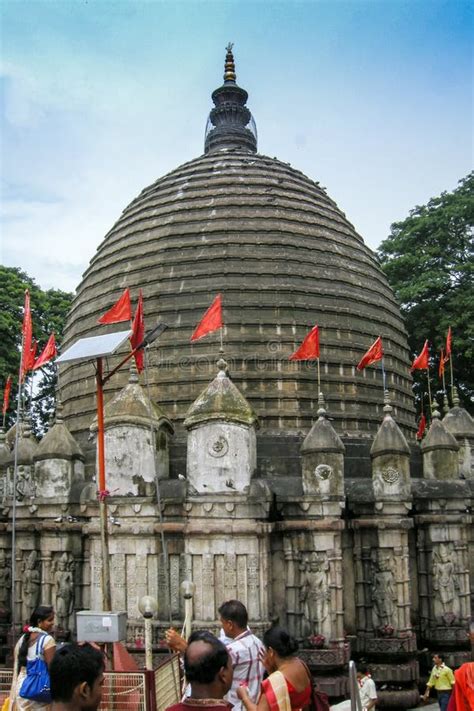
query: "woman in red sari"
288, 686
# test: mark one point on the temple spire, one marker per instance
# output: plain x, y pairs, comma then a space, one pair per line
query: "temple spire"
230, 124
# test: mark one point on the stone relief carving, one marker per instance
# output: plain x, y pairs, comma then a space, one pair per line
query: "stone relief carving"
64, 586
31, 582
5, 581
383, 590
25, 483
219, 447
445, 582
323, 471
314, 592
390, 475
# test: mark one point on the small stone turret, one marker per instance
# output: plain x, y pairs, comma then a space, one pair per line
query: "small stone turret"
133, 457
58, 461
460, 424
390, 460
27, 448
440, 451
322, 455
222, 447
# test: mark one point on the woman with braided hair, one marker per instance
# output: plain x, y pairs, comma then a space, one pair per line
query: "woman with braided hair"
41, 624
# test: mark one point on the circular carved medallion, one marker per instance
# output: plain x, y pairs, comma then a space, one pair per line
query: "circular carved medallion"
323, 471
390, 475
219, 447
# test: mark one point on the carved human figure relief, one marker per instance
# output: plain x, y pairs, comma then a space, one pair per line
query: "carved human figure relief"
64, 587
31, 583
314, 592
383, 590
5, 581
445, 581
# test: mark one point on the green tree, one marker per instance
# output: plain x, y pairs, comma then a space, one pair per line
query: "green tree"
49, 310
428, 260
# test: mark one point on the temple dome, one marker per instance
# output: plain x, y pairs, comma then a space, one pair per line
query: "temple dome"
284, 257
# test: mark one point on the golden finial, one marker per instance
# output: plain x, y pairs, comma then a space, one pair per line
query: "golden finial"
229, 67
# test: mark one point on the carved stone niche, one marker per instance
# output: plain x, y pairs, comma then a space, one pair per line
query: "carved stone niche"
383, 592
63, 568
446, 584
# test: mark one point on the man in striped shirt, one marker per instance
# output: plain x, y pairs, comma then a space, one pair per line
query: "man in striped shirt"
244, 649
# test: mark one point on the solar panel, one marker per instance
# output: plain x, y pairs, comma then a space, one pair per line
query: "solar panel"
94, 347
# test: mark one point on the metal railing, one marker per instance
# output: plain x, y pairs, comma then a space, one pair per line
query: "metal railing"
356, 704
129, 691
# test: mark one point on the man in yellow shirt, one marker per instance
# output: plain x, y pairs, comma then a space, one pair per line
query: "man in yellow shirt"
442, 678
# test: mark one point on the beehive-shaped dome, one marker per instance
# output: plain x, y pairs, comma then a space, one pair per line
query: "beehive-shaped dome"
283, 256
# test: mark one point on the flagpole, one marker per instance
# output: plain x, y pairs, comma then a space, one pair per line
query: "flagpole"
451, 371
15, 483
222, 341
319, 377
384, 378
429, 392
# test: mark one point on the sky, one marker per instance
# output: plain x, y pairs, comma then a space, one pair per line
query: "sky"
99, 98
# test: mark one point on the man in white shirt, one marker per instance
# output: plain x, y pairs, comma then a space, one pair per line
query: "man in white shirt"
367, 690
244, 648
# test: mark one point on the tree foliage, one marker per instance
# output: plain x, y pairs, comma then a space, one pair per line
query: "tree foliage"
49, 310
429, 262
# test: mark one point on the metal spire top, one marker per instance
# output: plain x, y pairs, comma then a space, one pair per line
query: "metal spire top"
230, 125
229, 66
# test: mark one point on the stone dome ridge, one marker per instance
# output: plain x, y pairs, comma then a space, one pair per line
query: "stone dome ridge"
131, 406
459, 422
4, 450
27, 445
389, 438
322, 436
438, 436
58, 442
221, 400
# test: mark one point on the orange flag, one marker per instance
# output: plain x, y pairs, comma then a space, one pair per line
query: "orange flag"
448, 345
6, 395
49, 352
309, 349
27, 333
211, 321
442, 361
421, 427
421, 362
374, 354
120, 311
138, 332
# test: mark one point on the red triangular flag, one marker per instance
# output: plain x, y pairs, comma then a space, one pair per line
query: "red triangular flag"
421, 427
6, 395
49, 352
422, 361
27, 337
309, 349
120, 311
138, 332
448, 344
211, 321
442, 361
374, 354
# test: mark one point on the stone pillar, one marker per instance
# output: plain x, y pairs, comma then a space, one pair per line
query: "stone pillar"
443, 523
311, 532
226, 534
136, 441
381, 549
